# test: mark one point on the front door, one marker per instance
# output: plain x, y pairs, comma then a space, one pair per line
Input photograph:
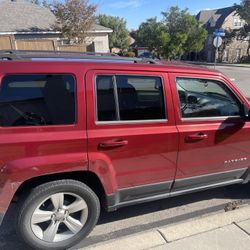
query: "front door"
132, 137
214, 144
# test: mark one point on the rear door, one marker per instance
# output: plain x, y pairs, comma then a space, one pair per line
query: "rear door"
214, 136
132, 137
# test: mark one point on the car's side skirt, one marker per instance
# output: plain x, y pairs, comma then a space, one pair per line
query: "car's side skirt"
152, 192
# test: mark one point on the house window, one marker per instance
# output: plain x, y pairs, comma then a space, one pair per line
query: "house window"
238, 54
210, 40
225, 56
237, 22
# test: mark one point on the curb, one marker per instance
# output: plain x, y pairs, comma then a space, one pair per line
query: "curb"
139, 241
166, 235
201, 225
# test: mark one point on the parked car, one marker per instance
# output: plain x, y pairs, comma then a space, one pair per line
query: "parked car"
78, 134
146, 54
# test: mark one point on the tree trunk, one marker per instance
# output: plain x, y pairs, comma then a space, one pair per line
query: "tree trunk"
248, 49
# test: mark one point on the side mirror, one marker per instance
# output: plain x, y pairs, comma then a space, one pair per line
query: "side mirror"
246, 113
192, 100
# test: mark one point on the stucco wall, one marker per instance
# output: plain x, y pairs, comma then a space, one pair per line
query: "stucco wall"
101, 42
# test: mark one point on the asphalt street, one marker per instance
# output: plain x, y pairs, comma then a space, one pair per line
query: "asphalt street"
139, 218
239, 75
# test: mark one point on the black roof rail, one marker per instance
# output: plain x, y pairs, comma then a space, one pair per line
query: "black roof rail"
44, 54
56, 52
7, 55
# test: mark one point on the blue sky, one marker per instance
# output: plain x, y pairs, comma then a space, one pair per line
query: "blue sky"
137, 11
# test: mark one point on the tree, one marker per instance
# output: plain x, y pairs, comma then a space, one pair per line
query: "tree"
119, 38
230, 35
196, 35
186, 34
244, 12
75, 18
152, 34
177, 34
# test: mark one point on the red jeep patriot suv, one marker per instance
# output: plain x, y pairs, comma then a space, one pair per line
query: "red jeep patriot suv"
82, 132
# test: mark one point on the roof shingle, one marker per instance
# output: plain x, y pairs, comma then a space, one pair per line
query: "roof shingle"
218, 16
23, 16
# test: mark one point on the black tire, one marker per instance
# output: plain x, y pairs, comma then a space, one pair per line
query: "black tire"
38, 195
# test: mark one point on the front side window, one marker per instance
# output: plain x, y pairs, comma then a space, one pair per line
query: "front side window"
205, 98
36, 100
128, 98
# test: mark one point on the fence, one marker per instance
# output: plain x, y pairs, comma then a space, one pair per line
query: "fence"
74, 48
34, 45
6, 42
10, 43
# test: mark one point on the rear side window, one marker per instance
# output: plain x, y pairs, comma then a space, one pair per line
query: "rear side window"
105, 99
35, 100
130, 98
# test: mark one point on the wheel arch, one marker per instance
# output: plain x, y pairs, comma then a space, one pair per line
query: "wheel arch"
87, 177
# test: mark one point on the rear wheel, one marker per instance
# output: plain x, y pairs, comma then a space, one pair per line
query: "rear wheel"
58, 214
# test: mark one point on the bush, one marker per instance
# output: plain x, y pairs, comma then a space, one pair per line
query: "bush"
245, 59
129, 54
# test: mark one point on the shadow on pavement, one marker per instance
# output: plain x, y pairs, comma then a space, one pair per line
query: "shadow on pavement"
10, 241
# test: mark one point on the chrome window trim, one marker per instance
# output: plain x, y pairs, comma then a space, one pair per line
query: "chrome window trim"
217, 118
130, 122
117, 103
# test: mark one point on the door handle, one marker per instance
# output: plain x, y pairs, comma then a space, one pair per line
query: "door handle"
196, 137
113, 143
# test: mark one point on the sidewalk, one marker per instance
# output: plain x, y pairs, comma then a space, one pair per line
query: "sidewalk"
219, 64
222, 231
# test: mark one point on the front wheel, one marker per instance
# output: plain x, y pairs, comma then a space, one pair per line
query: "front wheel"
58, 214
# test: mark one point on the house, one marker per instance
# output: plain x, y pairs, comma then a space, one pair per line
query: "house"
24, 25
228, 20
98, 38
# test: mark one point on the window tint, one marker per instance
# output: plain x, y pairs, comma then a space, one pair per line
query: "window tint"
35, 100
106, 110
140, 98
126, 98
205, 98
